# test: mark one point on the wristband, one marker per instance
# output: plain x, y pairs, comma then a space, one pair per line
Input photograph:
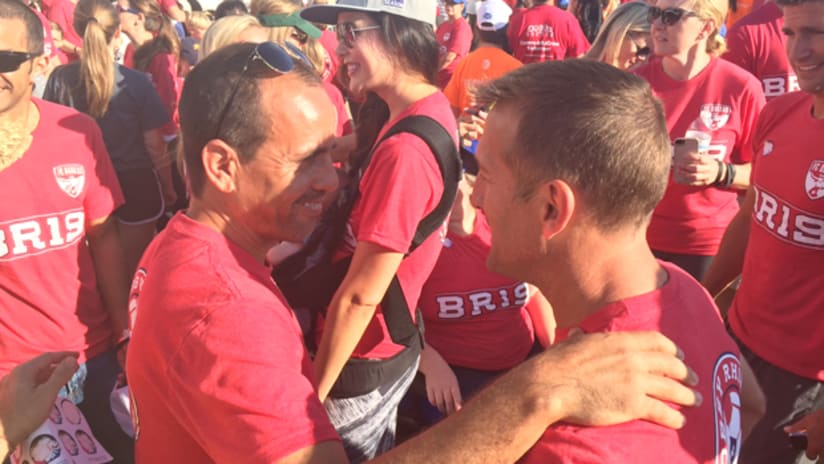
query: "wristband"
730, 175
721, 170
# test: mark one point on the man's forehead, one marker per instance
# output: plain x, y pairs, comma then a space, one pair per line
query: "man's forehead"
13, 34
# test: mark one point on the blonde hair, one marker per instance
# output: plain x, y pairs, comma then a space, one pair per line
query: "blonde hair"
224, 32
715, 10
200, 20
311, 47
626, 19
98, 22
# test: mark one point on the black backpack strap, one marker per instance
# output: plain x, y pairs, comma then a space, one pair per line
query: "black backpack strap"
396, 312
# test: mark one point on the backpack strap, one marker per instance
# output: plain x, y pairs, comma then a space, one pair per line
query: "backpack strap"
396, 312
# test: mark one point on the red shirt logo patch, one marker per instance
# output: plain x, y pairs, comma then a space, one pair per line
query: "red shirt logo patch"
715, 116
814, 183
71, 178
726, 401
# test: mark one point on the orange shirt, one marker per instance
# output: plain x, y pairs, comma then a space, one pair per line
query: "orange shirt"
483, 64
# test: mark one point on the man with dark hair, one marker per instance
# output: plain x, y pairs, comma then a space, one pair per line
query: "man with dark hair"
569, 177
776, 242
62, 282
217, 366
756, 43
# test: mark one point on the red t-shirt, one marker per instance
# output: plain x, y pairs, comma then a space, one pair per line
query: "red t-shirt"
165, 5
48, 284
683, 311
454, 36
62, 13
727, 99
49, 48
344, 123
163, 71
545, 33
331, 62
757, 44
777, 312
401, 185
474, 317
217, 367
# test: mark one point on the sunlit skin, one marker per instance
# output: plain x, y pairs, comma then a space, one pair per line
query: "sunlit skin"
804, 29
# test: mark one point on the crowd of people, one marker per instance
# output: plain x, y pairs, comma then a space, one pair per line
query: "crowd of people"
414, 231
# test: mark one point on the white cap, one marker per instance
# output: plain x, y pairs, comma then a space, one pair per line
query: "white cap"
420, 10
493, 15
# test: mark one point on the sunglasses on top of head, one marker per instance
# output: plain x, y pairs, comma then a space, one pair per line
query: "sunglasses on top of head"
274, 56
669, 16
347, 32
10, 61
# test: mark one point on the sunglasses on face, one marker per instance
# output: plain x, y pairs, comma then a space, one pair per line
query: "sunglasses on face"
669, 16
642, 53
275, 57
10, 61
347, 33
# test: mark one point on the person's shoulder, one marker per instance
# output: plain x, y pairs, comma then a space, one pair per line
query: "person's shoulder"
760, 17
779, 107
734, 74
55, 116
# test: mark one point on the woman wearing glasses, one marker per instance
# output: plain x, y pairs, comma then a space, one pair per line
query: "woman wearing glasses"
624, 41
130, 115
391, 55
714, 106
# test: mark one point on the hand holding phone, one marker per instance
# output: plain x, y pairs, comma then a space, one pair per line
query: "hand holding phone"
690, 166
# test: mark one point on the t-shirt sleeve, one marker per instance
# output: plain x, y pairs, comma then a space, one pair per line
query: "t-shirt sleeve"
103, 195
259, 380
578, 43
153, 114
461, 39
397, 191
752, 102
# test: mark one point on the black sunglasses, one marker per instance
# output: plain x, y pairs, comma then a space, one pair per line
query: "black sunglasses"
641, 53
347, 33
10, 61
273, 56
669, 16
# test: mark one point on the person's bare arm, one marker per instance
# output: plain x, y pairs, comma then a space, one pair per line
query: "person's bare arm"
597, 379
352, 307
177, 13
27, 394
112, 277
753, 402
162, 162
727, 264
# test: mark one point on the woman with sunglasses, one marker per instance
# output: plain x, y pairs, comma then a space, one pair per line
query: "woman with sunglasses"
624, 40
391, 55
130, 114
714, 105
157, 52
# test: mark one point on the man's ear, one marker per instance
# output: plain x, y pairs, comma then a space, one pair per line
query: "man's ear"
221, 164
557, 205
39, 65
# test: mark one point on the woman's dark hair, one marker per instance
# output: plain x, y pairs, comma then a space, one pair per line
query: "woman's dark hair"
414, 45
166, 39
590, 15
230, 8
412, 42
